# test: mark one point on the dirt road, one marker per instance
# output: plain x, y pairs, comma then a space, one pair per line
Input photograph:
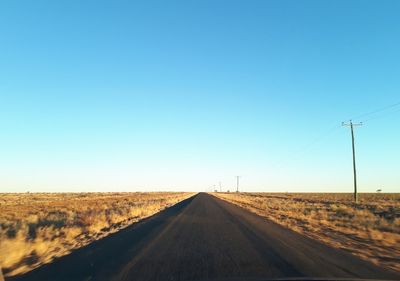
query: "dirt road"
205, 238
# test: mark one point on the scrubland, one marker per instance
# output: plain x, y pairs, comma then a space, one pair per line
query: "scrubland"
369, 229
35, 228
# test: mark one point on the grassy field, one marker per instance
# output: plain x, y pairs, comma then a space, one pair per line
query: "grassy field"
37, 227
369, 229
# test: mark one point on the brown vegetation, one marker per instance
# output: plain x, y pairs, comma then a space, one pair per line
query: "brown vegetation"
37, 227
369, 229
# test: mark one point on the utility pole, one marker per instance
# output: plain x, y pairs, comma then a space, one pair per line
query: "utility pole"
220, 187
237, 183
352, 125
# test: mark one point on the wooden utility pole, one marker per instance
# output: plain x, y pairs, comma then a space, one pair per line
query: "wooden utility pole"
352, 125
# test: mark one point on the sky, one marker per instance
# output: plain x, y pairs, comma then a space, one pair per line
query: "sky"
184, 95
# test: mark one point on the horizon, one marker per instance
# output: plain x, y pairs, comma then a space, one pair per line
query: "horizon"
184, 95
171, 191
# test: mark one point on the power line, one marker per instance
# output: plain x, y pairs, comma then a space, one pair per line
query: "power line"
308, 146
375, 111
325, 135
380, 116
328, 133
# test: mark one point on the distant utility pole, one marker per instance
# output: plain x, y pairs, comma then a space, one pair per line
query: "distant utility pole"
237, 183
352, 125
220, 187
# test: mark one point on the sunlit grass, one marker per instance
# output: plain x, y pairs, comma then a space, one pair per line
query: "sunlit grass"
35, 228
369, 229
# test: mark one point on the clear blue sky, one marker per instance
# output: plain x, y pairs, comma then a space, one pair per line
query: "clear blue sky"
180, 95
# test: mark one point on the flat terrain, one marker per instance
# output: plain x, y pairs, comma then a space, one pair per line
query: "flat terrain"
203, 238
369, 229
35, 228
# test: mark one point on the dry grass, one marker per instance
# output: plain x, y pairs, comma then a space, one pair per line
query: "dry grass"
370, 229
35, 228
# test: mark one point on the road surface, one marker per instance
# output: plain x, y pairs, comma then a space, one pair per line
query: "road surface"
205, 238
